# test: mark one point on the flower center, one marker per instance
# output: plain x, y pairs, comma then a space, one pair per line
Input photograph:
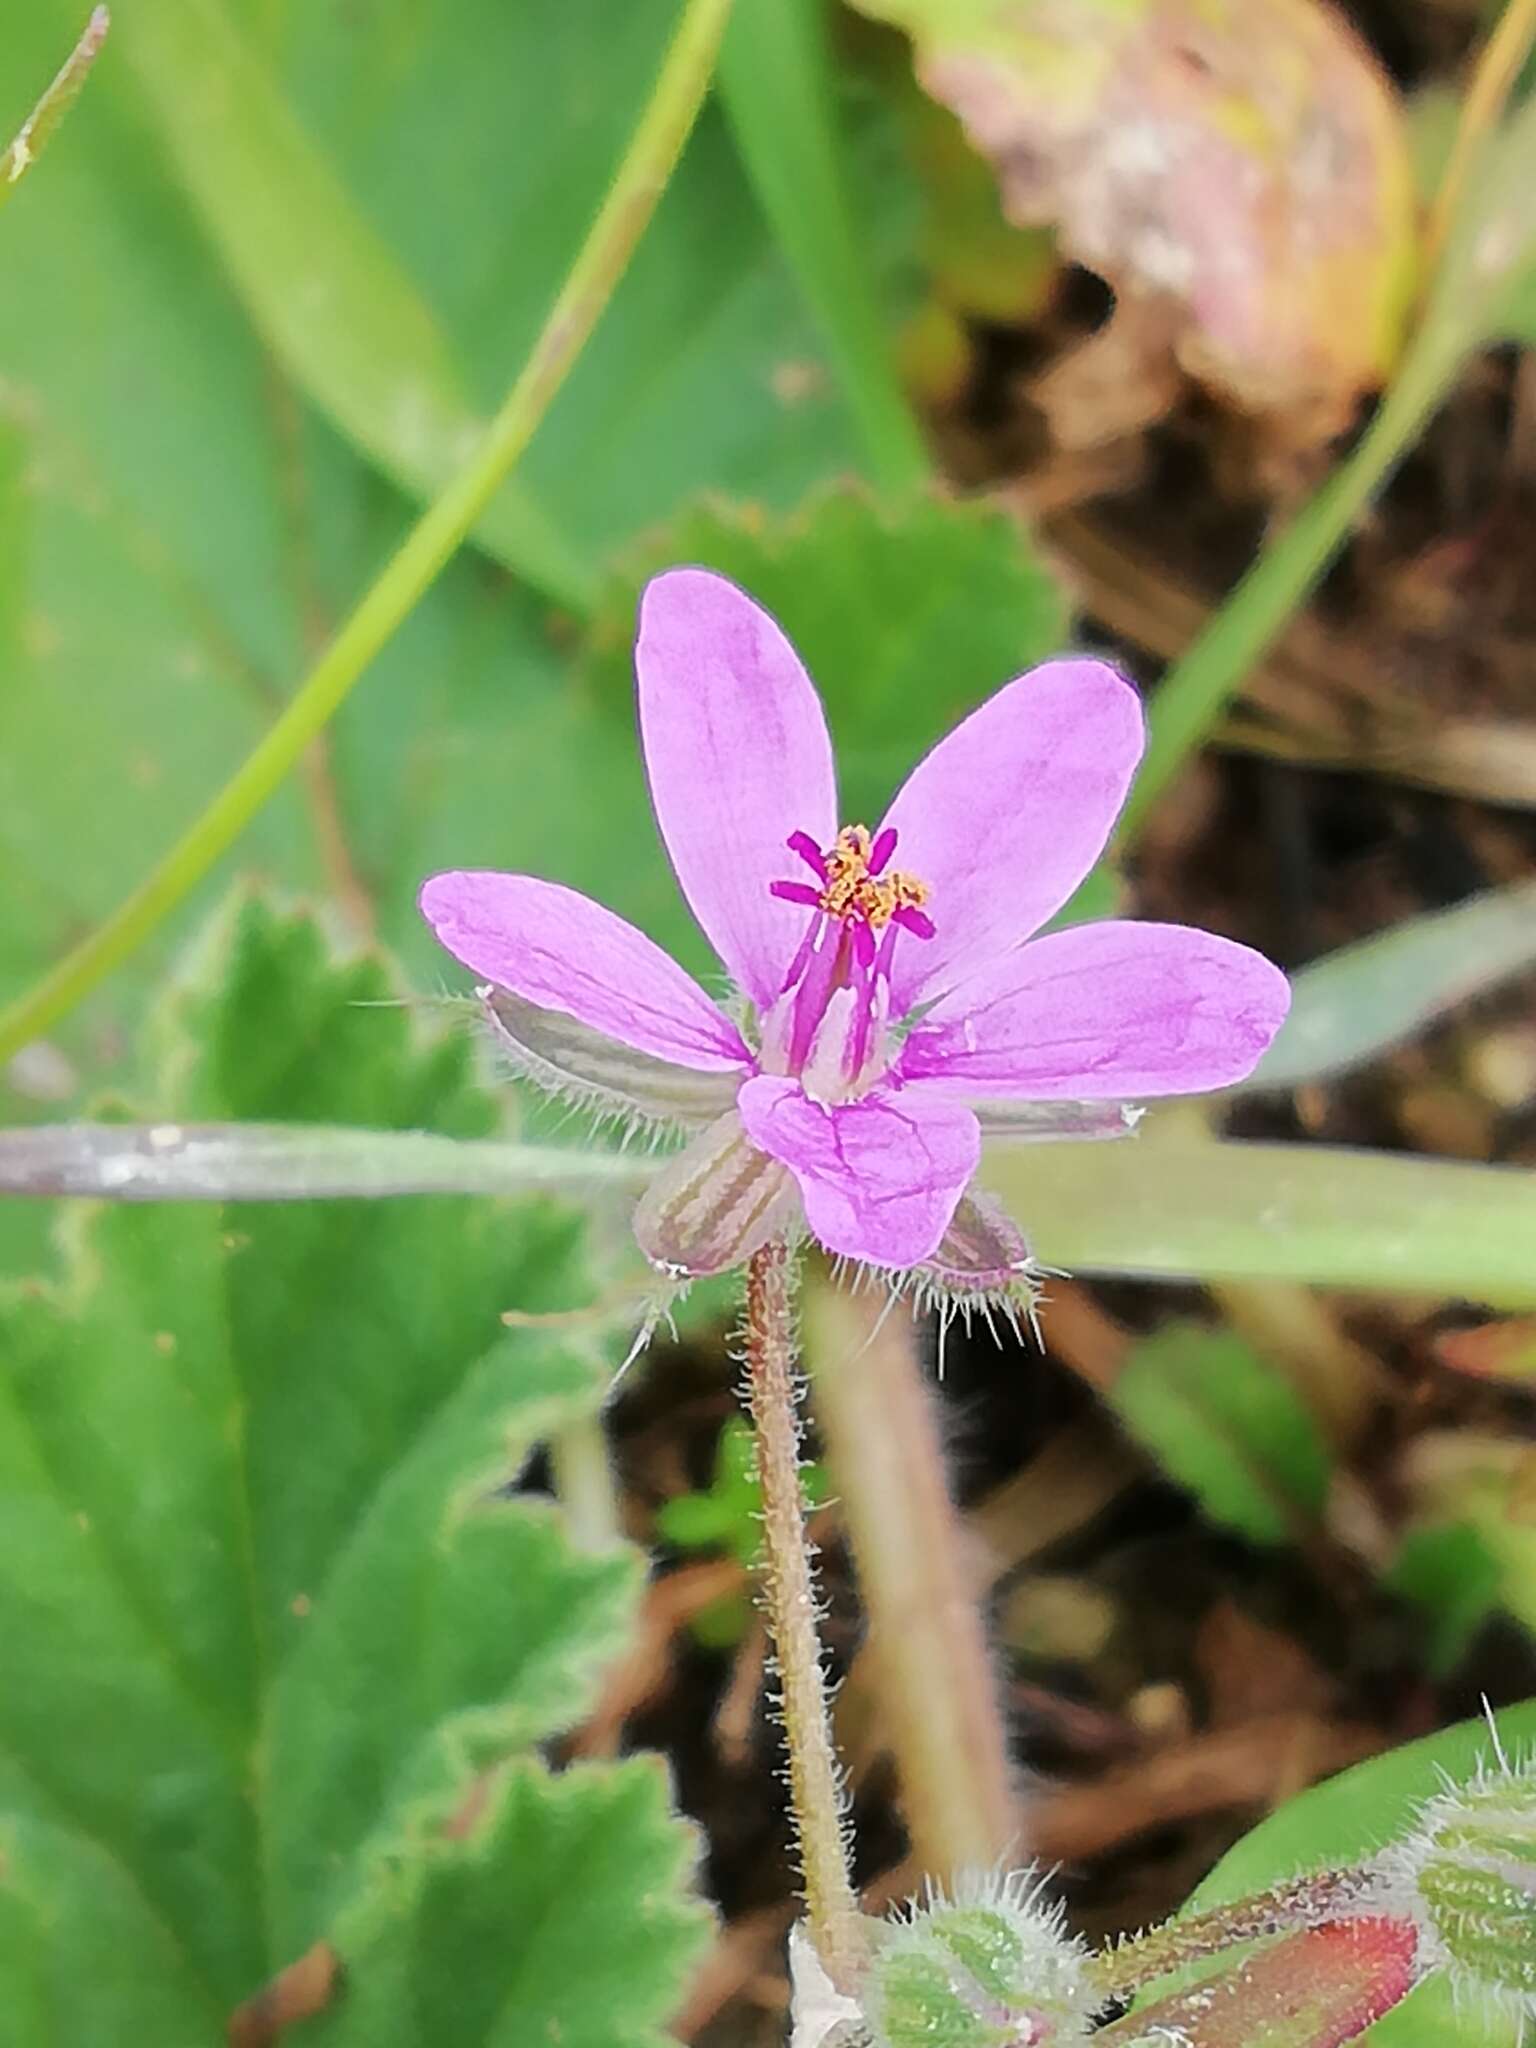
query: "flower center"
828, 1024
856, 887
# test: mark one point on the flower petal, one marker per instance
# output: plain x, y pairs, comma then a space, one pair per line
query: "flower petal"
1111, 1010
565, 952
738, 757
568, 1058
715, 1204
879, 1177
1008, 813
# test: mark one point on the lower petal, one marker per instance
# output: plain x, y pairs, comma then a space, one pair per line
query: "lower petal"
714, 1205
559, 949
880, 1177
1108, 1011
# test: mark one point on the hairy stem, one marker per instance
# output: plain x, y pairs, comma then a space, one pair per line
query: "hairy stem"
1305, 1902
773, 1392
641, 178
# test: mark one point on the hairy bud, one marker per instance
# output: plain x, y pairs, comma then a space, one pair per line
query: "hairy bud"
987, 1966
1467, 1875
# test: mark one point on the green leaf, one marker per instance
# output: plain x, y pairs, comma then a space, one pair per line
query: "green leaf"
1449, 1571
273, 1607
1480, 1485
1228, 1426
557, 1917
1366, 998
1348, 1818
729, 1516
191, 526
1171, 1202
323, 288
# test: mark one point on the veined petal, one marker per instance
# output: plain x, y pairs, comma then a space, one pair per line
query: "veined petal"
1008, 813
738, 758
1116, 1010
715, 1204
562, 951
879, 1177
559, 1053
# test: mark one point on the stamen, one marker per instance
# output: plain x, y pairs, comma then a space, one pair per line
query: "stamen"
913, 920
883, 848
796, 892
803, 844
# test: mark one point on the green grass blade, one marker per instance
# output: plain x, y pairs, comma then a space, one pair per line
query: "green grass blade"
31, 138
1366, 998
776, 79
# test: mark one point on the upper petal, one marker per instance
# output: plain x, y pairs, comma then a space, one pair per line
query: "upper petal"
738, 757
1110, 1010
565, 952
880, 1177
1008, 813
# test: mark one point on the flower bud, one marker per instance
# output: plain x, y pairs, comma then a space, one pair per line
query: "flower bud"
1467, 1873
989, 1967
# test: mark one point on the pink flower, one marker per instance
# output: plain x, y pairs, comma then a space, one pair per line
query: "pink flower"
892, 1011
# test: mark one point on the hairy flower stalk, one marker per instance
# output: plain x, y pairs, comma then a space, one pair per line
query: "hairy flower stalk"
816, 1801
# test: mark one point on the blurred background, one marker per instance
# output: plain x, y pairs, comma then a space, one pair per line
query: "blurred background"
962, 333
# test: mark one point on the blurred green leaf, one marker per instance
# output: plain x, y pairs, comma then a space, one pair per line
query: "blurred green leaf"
1464, 1482
1356, 1813
326, 292
1486, 286
557, 1917
1449, 1571
728, 1516
481, 138
1366, 998
906, 618
1228, 1426
273, 1609
192, 530
1171, 1202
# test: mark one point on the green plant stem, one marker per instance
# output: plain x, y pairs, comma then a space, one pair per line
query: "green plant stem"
1197, 689
816, 1802
1131, 1965
55, 103
641, 178
917, 1567
1498, 66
